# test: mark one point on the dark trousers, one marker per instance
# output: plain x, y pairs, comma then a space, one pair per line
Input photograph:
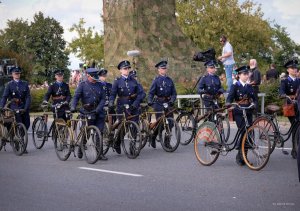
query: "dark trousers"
240, 122
23, 118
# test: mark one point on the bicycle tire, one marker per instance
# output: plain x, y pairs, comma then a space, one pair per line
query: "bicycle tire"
169, 136
251, 146
269, 127
131, 139
144, 132
208, 138
106, 141
224, 127
39, 132
2, 135
62, 144
19, 139
187, 124
92, 144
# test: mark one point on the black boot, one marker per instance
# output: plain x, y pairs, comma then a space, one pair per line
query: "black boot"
167, 142
239, 159
117, 148
79, 153
153, 142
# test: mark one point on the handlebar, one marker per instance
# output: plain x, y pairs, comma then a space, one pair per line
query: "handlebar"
241, 107
16, 111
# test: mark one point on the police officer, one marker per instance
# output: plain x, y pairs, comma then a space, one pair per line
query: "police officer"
92, 97
210, 86
161, 91
128, 91
17, 91
60, 92
241, 93
105, 85
289, 87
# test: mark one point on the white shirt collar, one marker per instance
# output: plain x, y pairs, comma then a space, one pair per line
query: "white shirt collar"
292, 78
243, 84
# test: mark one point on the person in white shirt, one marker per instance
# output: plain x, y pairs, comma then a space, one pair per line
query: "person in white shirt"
227, 60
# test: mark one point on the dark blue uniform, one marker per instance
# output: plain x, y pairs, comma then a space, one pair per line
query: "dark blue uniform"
19, 94
107, 89
60, 92
92, 97
237, 93
164, 89
211, 86
129, 92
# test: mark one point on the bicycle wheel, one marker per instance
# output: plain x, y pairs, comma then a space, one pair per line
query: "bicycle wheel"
223, 127
131, 139
207, 143
187, 124
3, 132
106, 141
169, 134
256, 147
91, 144
270, 128
144, 132
296, 140
39, 132
19, 139
62, 140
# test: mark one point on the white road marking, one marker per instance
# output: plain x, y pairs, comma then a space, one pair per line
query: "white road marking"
263, 147
111, 172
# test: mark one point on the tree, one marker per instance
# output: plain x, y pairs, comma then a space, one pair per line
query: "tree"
285, 48
46, 43
88, 46
204, 21
14, 37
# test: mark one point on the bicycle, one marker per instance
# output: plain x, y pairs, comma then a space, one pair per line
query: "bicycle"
208, 143
124, 130
69, 136
166, 128
189, 120
12, 132
40, 132
270, 123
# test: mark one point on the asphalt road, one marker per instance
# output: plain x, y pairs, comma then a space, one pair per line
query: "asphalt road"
156, 180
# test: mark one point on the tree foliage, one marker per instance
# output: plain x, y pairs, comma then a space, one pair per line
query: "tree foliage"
204, 21
88, 45
41, 42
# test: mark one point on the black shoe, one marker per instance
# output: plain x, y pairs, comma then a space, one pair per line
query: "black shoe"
239, 160
153, 143
294, 154
102, 157
79, 153
118, 149
25, 152
167, 143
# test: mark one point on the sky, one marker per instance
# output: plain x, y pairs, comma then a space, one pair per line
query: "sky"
284, 12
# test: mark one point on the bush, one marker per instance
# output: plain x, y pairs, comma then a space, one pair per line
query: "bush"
271, 88
37, 96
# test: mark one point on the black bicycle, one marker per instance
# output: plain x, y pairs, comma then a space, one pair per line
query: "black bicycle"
40, 131
188, 120
270, 123
255, 146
